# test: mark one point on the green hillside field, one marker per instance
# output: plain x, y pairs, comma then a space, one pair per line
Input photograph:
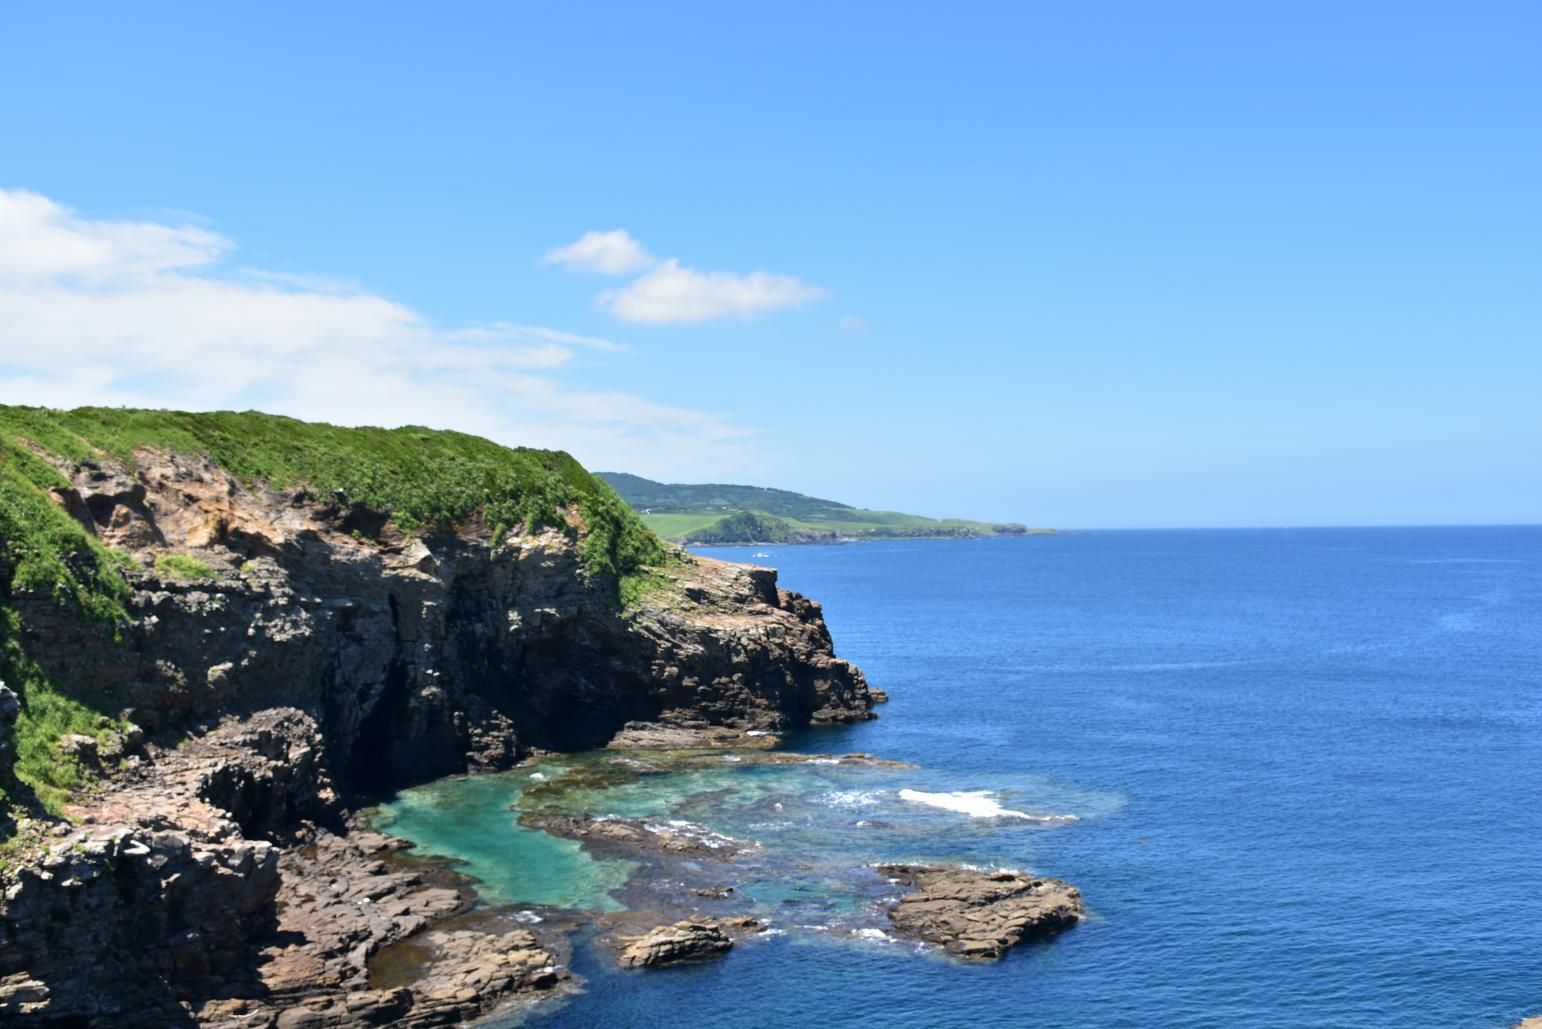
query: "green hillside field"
723, 513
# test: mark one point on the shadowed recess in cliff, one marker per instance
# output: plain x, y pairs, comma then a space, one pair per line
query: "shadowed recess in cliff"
392, 606
438, 602
70, 541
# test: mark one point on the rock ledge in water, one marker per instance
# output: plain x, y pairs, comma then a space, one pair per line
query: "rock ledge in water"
976, 914
667, 944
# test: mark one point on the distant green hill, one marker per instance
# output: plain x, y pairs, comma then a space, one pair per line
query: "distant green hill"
721, 513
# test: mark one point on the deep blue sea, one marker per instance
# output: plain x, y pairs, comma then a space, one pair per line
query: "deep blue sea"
1305, 767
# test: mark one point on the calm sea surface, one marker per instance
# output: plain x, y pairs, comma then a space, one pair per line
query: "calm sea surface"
1305, 765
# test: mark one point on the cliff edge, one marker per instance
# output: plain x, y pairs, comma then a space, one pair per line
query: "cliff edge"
220, 629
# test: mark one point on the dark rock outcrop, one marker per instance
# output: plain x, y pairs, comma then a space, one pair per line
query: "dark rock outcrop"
219, 885
976, 914
421, 657
215, 877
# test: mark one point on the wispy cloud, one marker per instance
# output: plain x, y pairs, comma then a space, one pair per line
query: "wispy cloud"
606, 253
143, 313
852, 323
670, 293
496, 331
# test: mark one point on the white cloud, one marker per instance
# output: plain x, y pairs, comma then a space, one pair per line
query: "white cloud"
852, 323
606, 253
142, 314
40, 241
671, 293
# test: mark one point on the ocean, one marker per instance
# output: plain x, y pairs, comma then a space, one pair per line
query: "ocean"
1296, 773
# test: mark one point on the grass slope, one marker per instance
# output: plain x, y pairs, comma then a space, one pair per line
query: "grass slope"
426, 479
710, 513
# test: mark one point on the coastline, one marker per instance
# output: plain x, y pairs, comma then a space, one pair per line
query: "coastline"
282, 654
837, 540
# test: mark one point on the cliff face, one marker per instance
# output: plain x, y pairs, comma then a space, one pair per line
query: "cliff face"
419, 656
337, 650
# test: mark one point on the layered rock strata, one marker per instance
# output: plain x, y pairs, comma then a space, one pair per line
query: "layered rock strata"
219, 884
687, 940
979, 915
326, 655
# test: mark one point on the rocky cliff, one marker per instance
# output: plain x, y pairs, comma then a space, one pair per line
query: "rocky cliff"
286, 650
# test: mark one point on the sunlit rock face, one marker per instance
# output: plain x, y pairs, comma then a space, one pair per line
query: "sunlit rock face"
345, 658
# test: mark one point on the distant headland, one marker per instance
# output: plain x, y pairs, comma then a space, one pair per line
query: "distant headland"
718, 513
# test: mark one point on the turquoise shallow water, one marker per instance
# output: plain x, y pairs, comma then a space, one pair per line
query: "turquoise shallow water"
1305, 767
470, 821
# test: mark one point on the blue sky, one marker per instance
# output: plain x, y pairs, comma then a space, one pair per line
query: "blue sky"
1069, 264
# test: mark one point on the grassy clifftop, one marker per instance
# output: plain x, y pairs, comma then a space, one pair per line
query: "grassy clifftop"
425, 479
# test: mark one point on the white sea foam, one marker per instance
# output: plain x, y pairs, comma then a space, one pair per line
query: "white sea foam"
528, 917
691, 831
873, 934
976, 804
538, 776
758, 732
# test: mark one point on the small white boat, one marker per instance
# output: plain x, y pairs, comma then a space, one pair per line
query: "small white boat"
760, 553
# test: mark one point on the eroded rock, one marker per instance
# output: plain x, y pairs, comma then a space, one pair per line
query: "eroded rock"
976, 914
633, 837
666, 944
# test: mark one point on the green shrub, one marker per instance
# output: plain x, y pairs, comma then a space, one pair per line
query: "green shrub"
179, 566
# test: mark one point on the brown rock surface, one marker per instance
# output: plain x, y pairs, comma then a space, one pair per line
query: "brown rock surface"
980, 914
214, 877
631, 837
422, 657
667, 944
208, 886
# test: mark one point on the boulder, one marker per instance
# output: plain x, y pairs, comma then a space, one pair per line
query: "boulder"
977, 915
667, 944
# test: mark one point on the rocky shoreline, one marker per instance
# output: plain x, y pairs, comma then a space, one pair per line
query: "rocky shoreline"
216, 873
219, 872
227, 874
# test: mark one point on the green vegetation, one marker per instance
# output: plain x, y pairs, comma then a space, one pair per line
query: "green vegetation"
745, 527
650, 583
425, 480
178, 566
720, 513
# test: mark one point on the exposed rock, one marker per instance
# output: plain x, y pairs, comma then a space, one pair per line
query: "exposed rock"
980, 914
422, 657
667, 944
691, 736
214, 877
166, 907
79, 747
714, 892
10, 709
633, 837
